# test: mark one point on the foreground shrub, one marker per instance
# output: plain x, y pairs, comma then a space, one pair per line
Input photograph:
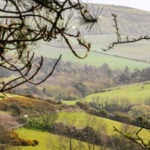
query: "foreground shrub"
12, 138
34, 123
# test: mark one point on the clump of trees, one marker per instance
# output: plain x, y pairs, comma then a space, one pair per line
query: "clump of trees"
121, 110
94, 135
44, 117
81, 80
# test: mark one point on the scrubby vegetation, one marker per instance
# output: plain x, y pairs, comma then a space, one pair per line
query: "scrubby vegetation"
82, 80
92, 130
47, 112
11, 138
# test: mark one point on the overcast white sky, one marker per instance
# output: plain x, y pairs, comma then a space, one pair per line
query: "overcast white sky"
141, 4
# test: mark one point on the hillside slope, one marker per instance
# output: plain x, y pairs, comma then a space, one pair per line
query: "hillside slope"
131, 21
135, 93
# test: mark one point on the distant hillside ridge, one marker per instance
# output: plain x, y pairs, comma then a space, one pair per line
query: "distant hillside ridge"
131, 21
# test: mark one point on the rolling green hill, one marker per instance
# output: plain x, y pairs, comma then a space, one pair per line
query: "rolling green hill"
81, 119
132, 22
48, 141
95, 59
136, 93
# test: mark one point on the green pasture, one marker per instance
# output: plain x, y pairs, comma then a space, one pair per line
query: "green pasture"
138, 51
70, 102
136, 93
80, 120
97, 59
48, 141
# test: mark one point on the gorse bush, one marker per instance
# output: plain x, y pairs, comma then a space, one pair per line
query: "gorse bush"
12, 138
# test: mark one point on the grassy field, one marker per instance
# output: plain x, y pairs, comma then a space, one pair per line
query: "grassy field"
136, 93
139, 50
49, 141
70, 102
80, 120
97, 59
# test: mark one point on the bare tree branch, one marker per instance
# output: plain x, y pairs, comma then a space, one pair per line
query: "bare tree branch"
23, 24
121, 40
136, 138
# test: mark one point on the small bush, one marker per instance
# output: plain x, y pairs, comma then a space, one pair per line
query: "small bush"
24, 142
123, 117
103, 113
16, 109
12, 138
34, 124
84, 106
35, 142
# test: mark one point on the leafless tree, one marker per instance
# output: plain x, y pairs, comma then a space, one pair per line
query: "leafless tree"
24, 23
